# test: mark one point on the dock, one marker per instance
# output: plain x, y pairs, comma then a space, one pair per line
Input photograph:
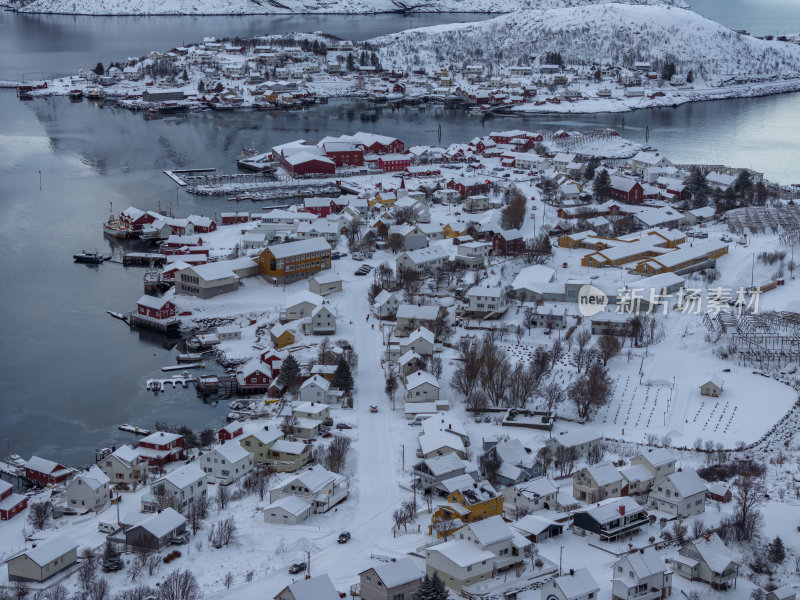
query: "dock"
159, 385
164, 325
143, 259
175, 175
196, 365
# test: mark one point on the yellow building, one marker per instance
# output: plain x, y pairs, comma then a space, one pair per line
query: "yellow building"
466, 505
453, 232
385, 199
294, 260
281, 336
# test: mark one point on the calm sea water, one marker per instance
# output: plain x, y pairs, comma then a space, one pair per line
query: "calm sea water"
69, 373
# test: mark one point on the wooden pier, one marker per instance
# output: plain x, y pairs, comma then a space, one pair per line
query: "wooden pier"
164, 325
175, 174
159, 385
143, 259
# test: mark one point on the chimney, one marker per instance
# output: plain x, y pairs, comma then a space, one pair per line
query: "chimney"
622, 509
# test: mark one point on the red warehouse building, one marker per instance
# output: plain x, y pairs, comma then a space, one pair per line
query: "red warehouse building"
321, 207
46, 471
230, 431
394, 162
254, 380
379, 144
10, 503
508, 242
155, 308
160, 448
235, 218
305, 163
134, 219
467, 186
344, 154
626, 189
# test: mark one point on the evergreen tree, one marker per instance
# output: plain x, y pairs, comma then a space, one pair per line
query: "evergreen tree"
424, 590
351, 63
776, 551
439, 590
290, 372
591, 166
111, 559
201, 87
218, 88
185, 75
98, 69
690, 76
697, 184
743, 182
342, 377
668, 71
602, 186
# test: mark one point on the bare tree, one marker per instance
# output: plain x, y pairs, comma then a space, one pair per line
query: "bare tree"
257, 481
99, 589
57, 592
467, 374
523, 386
337, 453
40, 513
564, 460
748, 495
435, 366
545, 456
698, 528
607, 347
222, 533
288, 425
519, 511
86, 574
228, 581
222, 497
443, 528
396, 242
556, 352
477, 401
553, 395
180, 585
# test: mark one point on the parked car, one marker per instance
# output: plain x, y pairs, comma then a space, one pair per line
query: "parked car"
343, 537
358, 256
373, 408
343, 426
297, 568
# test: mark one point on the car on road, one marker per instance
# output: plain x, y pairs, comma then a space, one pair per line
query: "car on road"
343, 426
373, 408
297, 568
343, 537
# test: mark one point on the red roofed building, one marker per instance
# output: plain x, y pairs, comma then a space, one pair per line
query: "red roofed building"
344, 154
394, 162
235, 218
10, 503
155, 308
321, 207
134, 219
46, 471
230, 431
626, 189
160, 448
508, 242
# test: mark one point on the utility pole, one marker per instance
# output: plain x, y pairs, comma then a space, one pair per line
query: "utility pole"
403, 456
40, 179
560, 554
308, 563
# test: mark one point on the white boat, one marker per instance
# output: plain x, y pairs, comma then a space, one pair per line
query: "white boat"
190, 357
134, 429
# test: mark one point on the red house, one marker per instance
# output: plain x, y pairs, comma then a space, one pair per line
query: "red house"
344, 154
230, 431
155, 308
255, 379
508, 242
321, 207
273, 360
394, 162
235, 218
305, 163
626, 189
134, 219
504, 137
160, 448
379, 144
468, 186
46, 471
202, 224
10, 503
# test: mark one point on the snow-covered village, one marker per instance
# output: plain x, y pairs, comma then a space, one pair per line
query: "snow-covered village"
494, 358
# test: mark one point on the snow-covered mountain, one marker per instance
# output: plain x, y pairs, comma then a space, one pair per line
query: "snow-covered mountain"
236, 7
617, 33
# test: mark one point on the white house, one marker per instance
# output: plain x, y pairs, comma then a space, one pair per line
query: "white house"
123, 466
227, 462
320, 488
315, 389
325, 284
581, 440
459, 563
659, 461
641, 576
423, 259
288, 510
313, 588
575, 585
495, 535
322, 321
177, 489
385, 304
485, 300
421, 386
645, 160
682, 494
535, 494
300, 305
88, 490
473, 254
421, 341
707, 559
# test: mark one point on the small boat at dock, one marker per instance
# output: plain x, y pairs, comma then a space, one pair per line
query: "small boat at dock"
134, 429
92, 257
76, 95
117, 315
189, 357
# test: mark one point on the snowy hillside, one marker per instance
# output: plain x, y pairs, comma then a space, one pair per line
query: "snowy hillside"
234, 7
615, 34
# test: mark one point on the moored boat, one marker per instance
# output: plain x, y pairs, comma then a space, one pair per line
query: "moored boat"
92, 257
113, 229
134, 429
190, 357
76, 95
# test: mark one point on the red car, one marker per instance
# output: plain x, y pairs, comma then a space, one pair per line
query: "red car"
373, 408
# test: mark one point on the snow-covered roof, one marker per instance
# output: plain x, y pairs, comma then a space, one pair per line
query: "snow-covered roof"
94, 478
317, 380
636, 473
314, 479
576, 437
399, 572
126, 454
646, 563
720, 178
533, 524
430, 442
462, 552
303, 296
491, 530
408, 357
541, 486
42, 465
160, 438
417, 378
650, 158
4, 487
482, 291
412, 311
604, 474
313, 408
49, 550
288, 447
313, 588
609, 510
423, 255
232, 451
163, 522
422, 332
659, 456
299, 247
577, 585
446, 463
714, 553
444, 422
185, 476
688, 483
152, 301
292, 504
215, 271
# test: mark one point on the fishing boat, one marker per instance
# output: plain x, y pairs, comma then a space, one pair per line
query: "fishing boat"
76, 95
113, 228
92, 257
190, 357
134, 429
95, 93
